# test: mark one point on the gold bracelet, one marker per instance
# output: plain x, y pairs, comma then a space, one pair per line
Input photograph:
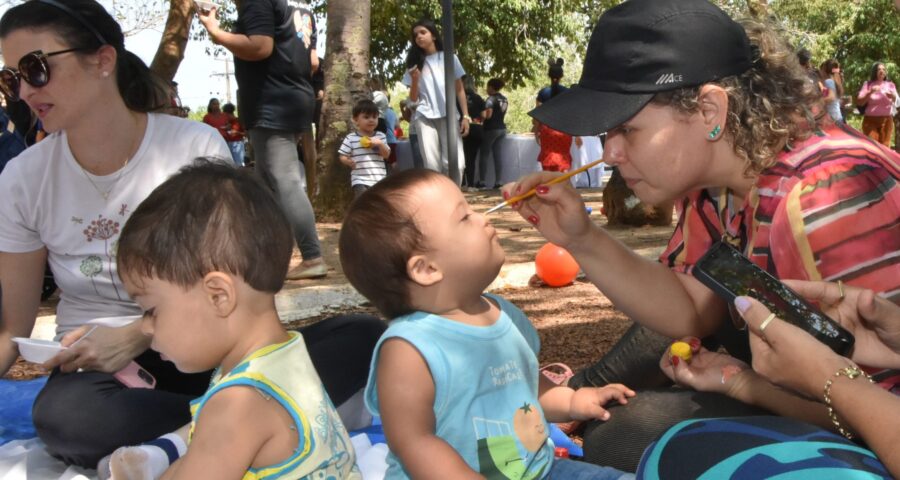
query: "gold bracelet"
851, 372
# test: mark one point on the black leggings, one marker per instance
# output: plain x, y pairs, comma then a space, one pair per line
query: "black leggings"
634, 362
82, 417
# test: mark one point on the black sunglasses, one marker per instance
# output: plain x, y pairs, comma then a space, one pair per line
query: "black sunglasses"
33, 69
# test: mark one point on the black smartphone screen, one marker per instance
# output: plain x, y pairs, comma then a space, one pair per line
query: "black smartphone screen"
730, 274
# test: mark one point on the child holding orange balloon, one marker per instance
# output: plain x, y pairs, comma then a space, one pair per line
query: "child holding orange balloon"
455, 376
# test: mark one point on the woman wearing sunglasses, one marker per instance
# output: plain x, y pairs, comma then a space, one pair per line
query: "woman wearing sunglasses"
66, 199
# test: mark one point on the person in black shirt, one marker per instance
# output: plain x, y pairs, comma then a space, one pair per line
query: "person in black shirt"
494, 130
274, 56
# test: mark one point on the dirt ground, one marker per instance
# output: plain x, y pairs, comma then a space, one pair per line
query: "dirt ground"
577, 324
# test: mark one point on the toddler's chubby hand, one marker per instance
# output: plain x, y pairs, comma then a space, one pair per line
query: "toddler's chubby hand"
587, 403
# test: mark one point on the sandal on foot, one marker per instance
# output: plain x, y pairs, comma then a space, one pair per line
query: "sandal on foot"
558, 373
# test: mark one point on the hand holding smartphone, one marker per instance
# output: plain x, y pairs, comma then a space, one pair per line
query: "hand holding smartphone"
730, 274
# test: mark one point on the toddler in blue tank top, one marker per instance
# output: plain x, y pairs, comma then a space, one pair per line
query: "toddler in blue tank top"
455, 377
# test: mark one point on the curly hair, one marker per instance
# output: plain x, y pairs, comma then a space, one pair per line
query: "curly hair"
770, 106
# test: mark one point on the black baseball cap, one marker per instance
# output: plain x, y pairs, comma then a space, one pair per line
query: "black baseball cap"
640, 48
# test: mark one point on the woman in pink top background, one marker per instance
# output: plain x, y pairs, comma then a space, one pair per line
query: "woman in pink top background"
878, 95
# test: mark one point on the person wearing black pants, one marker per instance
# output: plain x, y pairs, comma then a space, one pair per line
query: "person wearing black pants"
472, 141
65, 412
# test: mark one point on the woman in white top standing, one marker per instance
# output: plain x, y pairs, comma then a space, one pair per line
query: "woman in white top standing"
425, 79
830, 71
66, 200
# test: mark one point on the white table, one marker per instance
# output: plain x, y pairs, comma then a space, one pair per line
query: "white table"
518, 157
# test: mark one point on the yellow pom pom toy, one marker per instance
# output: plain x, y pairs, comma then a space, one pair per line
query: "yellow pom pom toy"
681, 350
365, 142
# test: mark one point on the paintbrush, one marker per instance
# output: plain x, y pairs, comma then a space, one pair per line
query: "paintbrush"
528, 194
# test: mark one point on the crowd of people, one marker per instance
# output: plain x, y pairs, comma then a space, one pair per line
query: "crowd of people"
145, 215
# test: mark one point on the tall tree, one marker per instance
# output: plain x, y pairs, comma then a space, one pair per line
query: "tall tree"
174, 39
346, 74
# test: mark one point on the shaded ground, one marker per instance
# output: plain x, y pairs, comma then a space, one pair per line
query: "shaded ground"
577, 324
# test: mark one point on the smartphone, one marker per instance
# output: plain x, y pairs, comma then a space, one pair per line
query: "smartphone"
730, 274
134, 376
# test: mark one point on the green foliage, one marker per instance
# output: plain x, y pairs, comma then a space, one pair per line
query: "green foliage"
197, 114
856, 33
509, 39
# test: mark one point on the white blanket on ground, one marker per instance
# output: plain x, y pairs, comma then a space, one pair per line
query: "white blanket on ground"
29, 460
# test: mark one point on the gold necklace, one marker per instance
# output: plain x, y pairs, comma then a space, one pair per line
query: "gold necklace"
105, 194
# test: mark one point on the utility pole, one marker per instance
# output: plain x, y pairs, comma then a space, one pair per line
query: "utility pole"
450, 95
228, 73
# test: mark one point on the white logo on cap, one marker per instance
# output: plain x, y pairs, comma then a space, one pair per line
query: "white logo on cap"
668, 78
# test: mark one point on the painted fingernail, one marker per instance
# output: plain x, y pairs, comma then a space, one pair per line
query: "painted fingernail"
533, 219
695, 343
675, 361
518, 189
542, 189
742, 304
505, 196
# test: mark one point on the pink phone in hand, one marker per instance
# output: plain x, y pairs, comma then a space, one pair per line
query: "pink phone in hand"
134, 376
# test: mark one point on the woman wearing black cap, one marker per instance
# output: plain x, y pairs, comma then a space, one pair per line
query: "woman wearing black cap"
719, 116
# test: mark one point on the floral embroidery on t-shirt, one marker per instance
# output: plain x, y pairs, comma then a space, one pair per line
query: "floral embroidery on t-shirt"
103, 229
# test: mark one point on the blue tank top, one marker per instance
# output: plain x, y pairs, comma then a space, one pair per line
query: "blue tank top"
486, 389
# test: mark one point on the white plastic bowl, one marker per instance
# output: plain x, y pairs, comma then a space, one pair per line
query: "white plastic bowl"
36, 350
115, 322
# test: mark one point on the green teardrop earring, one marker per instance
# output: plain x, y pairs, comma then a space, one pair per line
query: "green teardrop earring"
715, 132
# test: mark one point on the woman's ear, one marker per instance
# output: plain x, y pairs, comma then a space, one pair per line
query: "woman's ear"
221, 292
713, 103
423, 271
107, 56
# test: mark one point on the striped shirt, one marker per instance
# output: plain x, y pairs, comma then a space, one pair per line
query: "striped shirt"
370, 167
829, 209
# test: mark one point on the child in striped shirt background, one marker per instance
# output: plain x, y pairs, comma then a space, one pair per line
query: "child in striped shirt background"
365, 150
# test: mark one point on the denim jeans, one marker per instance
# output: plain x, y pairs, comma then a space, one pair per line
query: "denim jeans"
490, 153
237, 152
279, 166
565, 469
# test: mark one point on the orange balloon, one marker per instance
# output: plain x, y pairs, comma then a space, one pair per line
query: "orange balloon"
555, 266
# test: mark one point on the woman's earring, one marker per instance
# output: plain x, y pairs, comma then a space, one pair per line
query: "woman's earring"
715, 132
105, 74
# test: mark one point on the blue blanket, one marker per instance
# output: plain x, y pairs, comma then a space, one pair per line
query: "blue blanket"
15, 408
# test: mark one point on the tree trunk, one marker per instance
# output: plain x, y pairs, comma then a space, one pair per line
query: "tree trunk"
346, 74
622, 207
174, 39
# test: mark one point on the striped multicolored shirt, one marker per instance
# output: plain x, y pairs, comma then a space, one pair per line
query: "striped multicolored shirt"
829, 209
285, 373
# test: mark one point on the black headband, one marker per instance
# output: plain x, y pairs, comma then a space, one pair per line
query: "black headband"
78, 17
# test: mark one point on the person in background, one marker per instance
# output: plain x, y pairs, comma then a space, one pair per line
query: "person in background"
318, 84
877, 96
407, 111
830, 72
425, 79
387, 123
215, 117
472, 141
556, 147
364, 150
234, 135
274, 48
494, 130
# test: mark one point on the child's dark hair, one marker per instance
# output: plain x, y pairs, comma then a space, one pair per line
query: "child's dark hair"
416, 56
208, 217
228, 108
496, 84
378, 237
86, 25
365, 106
556, 68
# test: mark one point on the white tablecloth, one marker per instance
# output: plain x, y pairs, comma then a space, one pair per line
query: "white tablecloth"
518, 157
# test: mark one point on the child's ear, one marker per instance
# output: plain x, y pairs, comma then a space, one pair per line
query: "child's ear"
423, 271
221, 292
